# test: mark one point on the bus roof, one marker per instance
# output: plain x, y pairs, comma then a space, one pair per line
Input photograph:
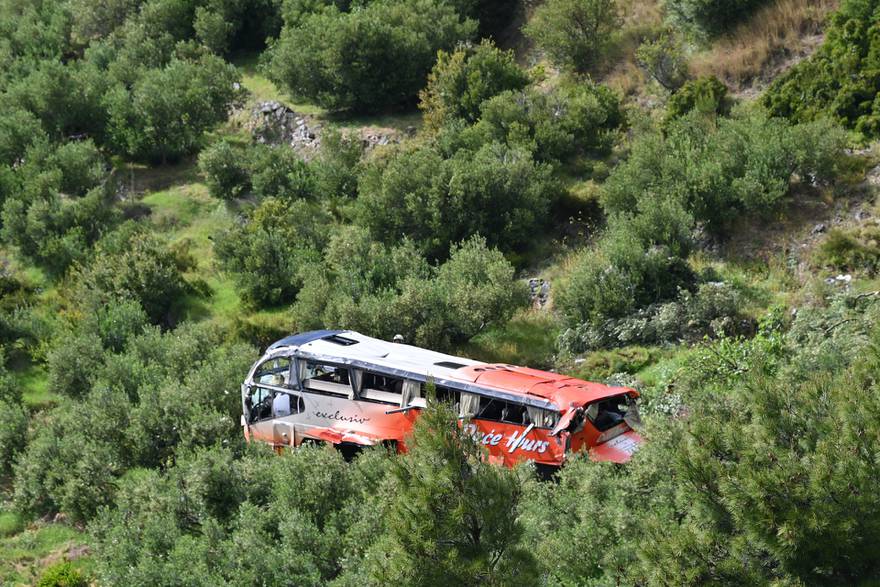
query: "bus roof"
508, 382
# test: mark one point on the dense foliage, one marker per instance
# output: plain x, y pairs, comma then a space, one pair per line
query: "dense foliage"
761, 410
702, 172
841, 80
461, 81
575, 34
178, 390
372, 57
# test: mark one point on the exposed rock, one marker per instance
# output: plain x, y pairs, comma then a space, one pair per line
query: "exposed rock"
819, 228
274, 123
539, 292
75, 552
843, 280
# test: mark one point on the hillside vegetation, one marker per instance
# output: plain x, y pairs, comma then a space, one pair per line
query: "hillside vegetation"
183, 182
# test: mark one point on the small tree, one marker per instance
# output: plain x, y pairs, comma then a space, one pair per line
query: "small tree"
575, 34
225, 169
462, 80
163, 116
368, 59
663, 58
454, 519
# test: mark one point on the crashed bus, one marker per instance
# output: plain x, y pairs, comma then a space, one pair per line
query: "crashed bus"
342, 387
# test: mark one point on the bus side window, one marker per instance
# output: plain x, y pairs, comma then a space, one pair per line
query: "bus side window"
490, 409
382, 388
285, 404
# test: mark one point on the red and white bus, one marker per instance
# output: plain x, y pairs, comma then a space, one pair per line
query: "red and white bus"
349, 389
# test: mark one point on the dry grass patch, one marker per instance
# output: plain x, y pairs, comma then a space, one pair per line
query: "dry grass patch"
783, 31
641, 19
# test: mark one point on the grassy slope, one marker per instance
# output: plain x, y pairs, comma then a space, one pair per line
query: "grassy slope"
25, 550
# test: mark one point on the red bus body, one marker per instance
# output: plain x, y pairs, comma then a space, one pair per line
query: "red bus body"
342, 387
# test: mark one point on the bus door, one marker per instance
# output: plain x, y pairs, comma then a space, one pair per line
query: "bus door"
287, 431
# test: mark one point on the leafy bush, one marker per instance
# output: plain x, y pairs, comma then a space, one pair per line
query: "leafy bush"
132, 265
446, 477
336, 167
225, 169
278, 172
62, 574
713, 309
855, 250
663, 58
711, 17
618, 277
719, 169
13, 433
269, 254
82, 167
392, 290
163, 116
367, 59
575, 34
553, 125
840, 80
497, 191
251, 521
162, 393
461, 81
51, 231
707, 95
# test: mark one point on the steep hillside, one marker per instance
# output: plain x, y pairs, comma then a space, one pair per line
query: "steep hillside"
676, 196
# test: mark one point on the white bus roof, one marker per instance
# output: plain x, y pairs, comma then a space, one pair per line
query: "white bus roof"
506, 382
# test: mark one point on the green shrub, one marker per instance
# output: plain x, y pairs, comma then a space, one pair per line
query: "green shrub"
336, 168
165, 113
664, 60
82, 167
226, 170
497, 191
855, 250
719, 169
711, 17
554, 125
461, 81
278, 172
50, 229
712, 310
268, 254
840, 80
367, 59
392, 290
575, 34
132, 265
707, 95
73, 364
13, 433
62, 574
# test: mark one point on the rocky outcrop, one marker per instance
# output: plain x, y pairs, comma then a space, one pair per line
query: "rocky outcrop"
273, 123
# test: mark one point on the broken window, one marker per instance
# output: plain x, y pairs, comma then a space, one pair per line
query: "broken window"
274, 372
541, 418
503, 411
608, 413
